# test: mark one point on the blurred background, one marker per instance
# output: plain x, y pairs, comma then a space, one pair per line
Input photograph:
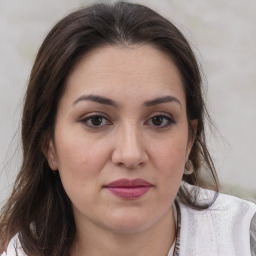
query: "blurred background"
223, 36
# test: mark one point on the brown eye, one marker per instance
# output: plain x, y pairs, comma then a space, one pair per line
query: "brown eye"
95, 121
160, 121
157, 120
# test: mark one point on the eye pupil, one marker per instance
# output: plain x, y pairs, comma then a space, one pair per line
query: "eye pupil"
157, 120
96, 120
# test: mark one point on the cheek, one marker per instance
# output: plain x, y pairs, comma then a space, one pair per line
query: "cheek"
80, 165
171, 168
170, 161
79, 159
171, 154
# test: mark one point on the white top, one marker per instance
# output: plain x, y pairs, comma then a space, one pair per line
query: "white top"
224, 229
221, 230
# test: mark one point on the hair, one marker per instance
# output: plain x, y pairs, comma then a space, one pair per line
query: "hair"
38, 208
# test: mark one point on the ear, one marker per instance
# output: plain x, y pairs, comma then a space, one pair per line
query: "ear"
50, 154
191, 136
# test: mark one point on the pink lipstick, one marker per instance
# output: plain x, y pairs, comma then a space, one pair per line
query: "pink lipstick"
129, 189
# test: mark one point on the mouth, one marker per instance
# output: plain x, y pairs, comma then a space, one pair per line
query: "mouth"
129, 189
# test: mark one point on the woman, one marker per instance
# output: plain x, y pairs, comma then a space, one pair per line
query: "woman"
114, 154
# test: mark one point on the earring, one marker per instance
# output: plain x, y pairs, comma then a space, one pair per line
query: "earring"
188, 168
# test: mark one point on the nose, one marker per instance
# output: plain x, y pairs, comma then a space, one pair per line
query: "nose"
130, 151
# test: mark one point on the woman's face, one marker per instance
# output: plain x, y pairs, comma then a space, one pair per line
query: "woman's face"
121, 138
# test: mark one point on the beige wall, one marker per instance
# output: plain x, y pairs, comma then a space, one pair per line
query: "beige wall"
223, 34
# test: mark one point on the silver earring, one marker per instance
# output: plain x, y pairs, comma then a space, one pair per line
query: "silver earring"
188, 170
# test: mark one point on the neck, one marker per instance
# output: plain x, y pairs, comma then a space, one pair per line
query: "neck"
156, 240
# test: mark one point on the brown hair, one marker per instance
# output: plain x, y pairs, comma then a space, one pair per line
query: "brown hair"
38, 208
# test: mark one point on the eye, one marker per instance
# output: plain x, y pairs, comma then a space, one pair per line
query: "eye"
95, 121
160, 121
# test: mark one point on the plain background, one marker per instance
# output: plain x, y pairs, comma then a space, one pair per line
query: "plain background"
223, 35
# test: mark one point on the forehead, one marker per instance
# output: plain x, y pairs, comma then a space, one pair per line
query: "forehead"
124, 70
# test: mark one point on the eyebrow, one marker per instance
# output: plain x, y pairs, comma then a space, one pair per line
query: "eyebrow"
107, 101
96, 98
161, 100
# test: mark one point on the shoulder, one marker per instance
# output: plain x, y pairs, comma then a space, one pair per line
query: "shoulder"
14, 248
223, 203
224, 227
225, 207
237, 204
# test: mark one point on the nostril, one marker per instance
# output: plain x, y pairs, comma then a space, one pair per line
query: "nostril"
141, 164
120, 164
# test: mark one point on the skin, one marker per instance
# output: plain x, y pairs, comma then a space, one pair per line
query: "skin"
129, 139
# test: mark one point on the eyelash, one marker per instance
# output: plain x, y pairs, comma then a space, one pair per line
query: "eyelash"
168, 121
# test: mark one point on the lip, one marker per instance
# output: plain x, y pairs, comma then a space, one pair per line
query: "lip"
129, 189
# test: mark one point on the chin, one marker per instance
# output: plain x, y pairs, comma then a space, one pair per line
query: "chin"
131, 223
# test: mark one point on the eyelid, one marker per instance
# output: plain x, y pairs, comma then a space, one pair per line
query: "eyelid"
161, 113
